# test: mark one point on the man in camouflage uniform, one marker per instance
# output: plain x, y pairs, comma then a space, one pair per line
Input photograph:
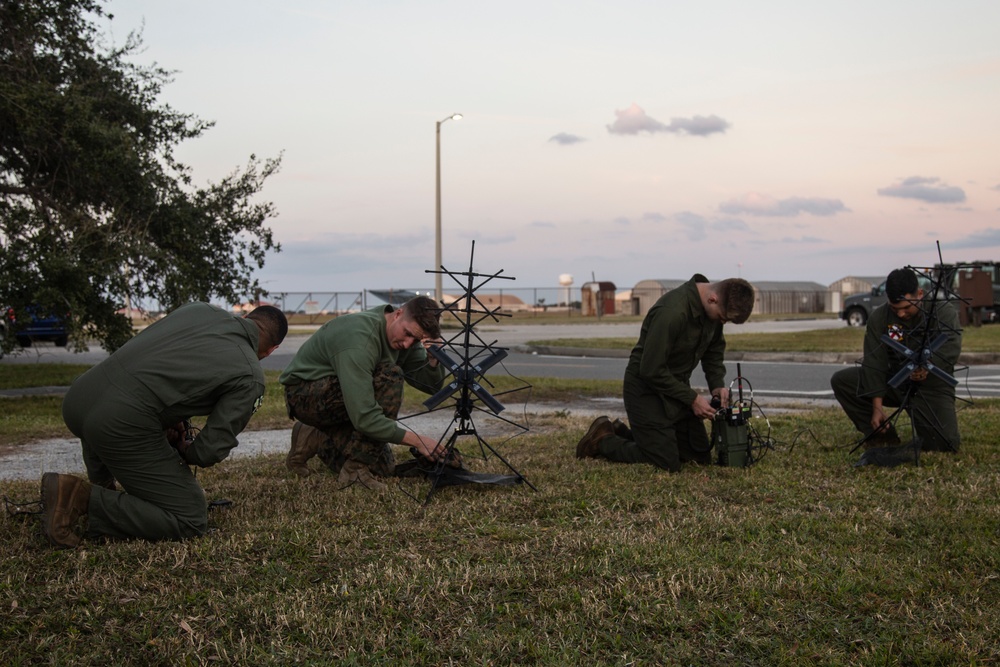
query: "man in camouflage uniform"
345, 387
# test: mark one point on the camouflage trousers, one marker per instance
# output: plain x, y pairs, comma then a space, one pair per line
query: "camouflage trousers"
320, 404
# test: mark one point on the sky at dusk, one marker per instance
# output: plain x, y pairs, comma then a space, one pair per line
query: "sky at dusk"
626, 140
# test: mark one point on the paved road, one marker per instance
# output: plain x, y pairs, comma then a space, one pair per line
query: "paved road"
504, 336
767, 378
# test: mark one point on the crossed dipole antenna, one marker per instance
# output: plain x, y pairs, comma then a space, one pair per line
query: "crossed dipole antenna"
468, 357
933, 336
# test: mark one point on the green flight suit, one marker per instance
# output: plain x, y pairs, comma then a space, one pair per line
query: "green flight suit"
199, 360
932, 402
676, 336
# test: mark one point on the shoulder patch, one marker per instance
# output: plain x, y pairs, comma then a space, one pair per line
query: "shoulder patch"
895, 332
258, 403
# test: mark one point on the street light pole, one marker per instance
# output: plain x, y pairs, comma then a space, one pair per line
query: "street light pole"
438, 294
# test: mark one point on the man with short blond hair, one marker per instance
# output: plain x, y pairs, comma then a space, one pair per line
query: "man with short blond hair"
346, 382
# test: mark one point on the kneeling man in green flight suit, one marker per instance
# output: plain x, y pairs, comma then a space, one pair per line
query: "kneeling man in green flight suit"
666, 415
128, 410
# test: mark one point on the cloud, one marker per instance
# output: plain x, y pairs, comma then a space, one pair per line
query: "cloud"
565, 139
730, 225
983, 238
634, 120
484, 238
803, 239
754, 203
622, 220
652, 216
700, 126
543, 224
930, 190
996, 187
693, 225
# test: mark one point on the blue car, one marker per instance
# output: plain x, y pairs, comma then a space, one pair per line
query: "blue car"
40, 327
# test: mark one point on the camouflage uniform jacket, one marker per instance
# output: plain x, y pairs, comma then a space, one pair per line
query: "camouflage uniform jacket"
350, 347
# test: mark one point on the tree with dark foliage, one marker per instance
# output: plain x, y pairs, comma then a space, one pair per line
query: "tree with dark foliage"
95, 212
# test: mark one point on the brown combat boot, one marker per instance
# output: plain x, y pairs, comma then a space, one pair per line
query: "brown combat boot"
588, 448
65, 499
355, 472
305, 445
621, 429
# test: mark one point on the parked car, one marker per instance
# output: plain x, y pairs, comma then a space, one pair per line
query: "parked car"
41, 326
858, 307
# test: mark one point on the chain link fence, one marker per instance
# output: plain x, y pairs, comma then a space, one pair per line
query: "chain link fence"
310, 308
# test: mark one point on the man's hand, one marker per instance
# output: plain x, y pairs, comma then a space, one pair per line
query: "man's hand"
878, 417
428, 343
428, 447
722, 393
918, 375
702, 408
180, 436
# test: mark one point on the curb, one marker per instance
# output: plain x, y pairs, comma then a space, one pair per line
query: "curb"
968, 359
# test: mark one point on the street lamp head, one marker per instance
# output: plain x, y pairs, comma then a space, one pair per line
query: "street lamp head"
456, 116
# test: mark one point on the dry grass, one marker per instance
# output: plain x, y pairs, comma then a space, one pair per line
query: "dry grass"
799, 560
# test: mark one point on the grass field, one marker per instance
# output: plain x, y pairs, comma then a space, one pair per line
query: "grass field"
799, 560
802, 559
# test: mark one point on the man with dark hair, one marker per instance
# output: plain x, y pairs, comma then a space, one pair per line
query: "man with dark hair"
683, 328
130, 412
345, 387
864, 391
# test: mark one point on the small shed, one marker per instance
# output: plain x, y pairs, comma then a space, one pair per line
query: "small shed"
790, 296
598, 298
503, 302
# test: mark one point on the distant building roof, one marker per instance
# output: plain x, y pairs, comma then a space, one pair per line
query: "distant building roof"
394, 297
787, 286
488, 300
665, 283
874, 280
760, 285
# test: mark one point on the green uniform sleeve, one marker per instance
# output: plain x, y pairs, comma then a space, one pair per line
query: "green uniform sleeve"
875, 365
236, 404
713, 361
947, 355
354, 371
666, 330
418, 372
